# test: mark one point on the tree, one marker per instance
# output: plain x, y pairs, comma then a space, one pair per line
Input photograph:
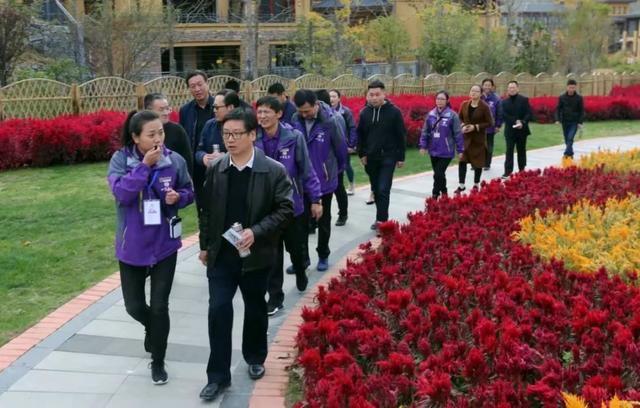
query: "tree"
123, 43
446, 27
386, 37
489, 51
534, 48
14, 30
584, 52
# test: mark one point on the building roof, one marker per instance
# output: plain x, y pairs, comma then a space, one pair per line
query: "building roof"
534, 7
330, 4
634, 10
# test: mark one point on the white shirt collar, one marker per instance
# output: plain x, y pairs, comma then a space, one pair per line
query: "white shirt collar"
249, 163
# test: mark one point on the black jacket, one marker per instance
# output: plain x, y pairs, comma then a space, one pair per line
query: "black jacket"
570, 108
176, 139
516, 108
381, 132
270, 208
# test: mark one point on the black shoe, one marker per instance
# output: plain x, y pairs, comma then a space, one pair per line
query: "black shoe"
459, 190
341, 221
374, 226
158, 373
486, 168
291, 271
505, 176
211, 391
312, 231
302, 281
256, 371
147, 342
273, 309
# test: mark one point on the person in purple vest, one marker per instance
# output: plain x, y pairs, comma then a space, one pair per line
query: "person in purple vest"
288, 108
441, 136
328, 153
150, 183
286, 145
495, 106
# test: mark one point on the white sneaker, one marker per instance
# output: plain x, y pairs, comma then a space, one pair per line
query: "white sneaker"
352, 189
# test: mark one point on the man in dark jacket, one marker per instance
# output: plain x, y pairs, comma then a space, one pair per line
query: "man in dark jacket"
328, 154
193, 116
248, 192
570, 113
175, 137
381, 145
495, 106
211, 137
288, 107
516, 114
286, 145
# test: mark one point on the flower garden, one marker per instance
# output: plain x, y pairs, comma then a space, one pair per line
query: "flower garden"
524, 294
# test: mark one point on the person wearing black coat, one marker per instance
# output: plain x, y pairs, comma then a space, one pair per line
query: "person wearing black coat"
516, 113
570, 113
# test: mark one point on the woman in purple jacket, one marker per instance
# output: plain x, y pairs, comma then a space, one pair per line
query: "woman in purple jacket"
150, 183
441, 136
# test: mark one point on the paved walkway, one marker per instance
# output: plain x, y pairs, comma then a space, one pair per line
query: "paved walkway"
97, 360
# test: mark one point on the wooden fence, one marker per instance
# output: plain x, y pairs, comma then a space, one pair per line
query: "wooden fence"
43, 98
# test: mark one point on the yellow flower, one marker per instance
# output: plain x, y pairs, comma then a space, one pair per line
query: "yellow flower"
573, 401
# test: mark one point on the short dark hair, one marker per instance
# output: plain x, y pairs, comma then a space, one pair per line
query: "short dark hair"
336, 91
488, 80
231, 98
270, 102
276, 89
323, 95
303, 96
232, 84
376, 83
513, 81
196, 72
247, 116
152, 97
134, 124
572, 82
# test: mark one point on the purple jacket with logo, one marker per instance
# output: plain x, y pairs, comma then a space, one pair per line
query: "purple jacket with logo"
138, 244
495, 106
441, 133
327, 146
293, 155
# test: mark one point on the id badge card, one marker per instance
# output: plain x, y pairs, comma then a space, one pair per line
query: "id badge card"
151, 210
436, 135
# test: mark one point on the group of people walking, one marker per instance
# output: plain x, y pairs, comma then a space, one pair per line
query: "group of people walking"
263, 180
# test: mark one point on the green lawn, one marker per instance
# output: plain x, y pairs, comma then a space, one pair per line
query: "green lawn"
58, 224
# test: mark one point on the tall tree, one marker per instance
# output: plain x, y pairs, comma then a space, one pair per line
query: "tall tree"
535, 49
387, 38
446, 27
488, 51
14, 30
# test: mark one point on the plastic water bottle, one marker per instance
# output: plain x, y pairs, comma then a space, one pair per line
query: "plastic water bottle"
237, 227
216, 149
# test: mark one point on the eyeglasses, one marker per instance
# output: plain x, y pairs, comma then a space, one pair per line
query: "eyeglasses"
233, 135
216, 107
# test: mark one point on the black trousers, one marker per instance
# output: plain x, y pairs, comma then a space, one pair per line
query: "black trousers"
324, 226
380, 171
439, 165
490, 142
155, 316
198, 188
293, 239
224, 280
462, 173
520, 144
341, 197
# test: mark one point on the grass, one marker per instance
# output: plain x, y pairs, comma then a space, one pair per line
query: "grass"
58, 225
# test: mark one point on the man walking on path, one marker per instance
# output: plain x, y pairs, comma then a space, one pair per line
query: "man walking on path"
570, 114
211, 145
288, 107
328, 154
516, 113
381, 146
287, 146
248, 193
193, 115
495, 106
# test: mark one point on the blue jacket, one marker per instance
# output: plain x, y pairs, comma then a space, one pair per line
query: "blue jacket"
138, 244
211, 134
495, 106
352, 136
442, 133
188, 118
327, 146
292, 153
288, 110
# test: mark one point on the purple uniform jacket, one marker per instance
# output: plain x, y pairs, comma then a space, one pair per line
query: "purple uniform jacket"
495, 106
441, 134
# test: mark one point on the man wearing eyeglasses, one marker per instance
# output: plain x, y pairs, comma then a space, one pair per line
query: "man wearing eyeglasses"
175, 137
223, 102
243, 186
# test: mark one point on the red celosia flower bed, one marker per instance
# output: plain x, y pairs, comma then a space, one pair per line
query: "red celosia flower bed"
631, 90
415, 107
452, 312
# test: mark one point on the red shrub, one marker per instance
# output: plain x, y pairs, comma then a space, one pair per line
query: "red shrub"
631, 90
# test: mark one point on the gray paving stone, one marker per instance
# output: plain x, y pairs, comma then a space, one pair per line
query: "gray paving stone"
137, 391
110, 328
52, 400
61, 381
91, 363
176, 369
